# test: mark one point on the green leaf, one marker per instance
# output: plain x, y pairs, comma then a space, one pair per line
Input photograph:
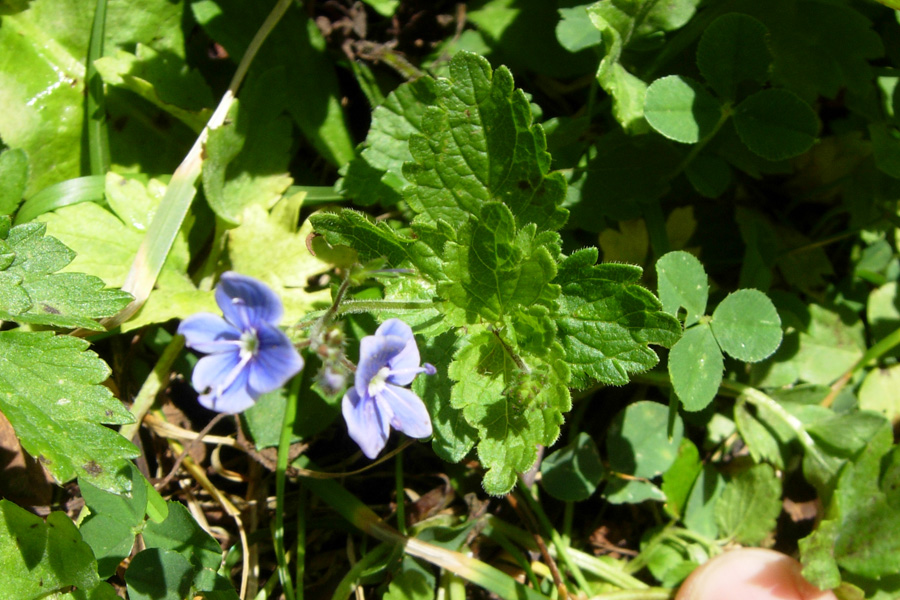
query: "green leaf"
378, 240
886, 148
681, 109
830, 345
386, 8
682, 283
493, 268
747, 509
607, 319
106, 244
453, 436
156, 574
638, 440
679, 478
308, 86
32, 292
288, 265
699, 512
732, 50
42, 73
479, 145
695, 367
632, 491
180, 533
880, 392
13, 179
572, 472
376, 174
513, 409
51, 393
761, 441
42, 558
747, 326
409, 585
575, 31
710, 175
776, 124
247, 158
163, 80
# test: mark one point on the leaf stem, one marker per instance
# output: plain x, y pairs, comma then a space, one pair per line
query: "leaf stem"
883, 346
284, 450
95, 107
363, 306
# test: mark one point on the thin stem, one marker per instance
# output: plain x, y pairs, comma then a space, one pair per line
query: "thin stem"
302, 501
326, 318
365, 306
561, 549
284, 448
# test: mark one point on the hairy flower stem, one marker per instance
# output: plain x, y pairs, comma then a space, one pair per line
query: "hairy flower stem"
325, 319
365, 306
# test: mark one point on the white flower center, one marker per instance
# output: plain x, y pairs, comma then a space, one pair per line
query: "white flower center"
379, 381
249, 344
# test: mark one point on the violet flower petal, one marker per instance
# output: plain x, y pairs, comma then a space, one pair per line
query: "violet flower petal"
367, 423
208, 333
374, 353
246, 302
276, 360
234, 398
410, 415
213, 370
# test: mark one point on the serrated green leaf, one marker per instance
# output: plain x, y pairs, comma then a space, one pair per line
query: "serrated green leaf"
493, 269
51, 393
695, 367
747, 326
747, 509
479, 145
606, 320
776, 124
376, 174
513, 410
156, 574
732, 50
572, 472
13, 179
638, 441
247, 158
681, 109
41, 558
453, 436
32, 292
761, 441
683, 283
377, 240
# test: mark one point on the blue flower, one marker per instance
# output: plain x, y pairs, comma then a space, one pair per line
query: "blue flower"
248, 354
388, 360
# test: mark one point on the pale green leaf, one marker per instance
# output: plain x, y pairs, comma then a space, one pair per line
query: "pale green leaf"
575, 31
682, 284
681, 109
747, 509
695, 367
13, 179
572, 472
747, 326
247, 158
679, 478
639, 443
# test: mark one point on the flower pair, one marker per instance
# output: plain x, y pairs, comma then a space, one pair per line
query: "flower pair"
247, 356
